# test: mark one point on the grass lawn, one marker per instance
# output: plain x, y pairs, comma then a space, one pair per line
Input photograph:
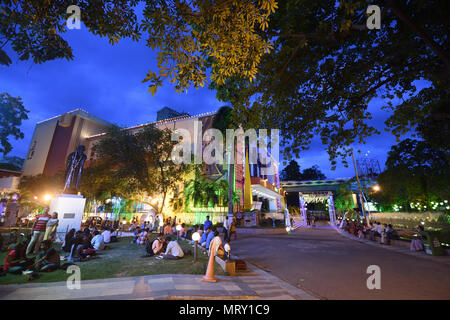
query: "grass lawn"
123, 260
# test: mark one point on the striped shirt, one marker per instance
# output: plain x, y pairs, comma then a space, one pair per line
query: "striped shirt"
41, 222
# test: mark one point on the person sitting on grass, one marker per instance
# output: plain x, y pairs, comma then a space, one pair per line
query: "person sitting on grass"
68, 240
204, 237
167, 229
97, 241
16, 261
106, 235
87, 233
183, 228
158, 246
173, 250
211, 235
136, 234
143, 236
115, 235
48, 258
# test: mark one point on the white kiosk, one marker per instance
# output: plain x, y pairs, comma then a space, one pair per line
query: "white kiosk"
70, 208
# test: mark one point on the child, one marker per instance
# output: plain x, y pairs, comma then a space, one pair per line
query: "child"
227, 249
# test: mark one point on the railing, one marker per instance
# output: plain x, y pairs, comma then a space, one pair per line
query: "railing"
265, 183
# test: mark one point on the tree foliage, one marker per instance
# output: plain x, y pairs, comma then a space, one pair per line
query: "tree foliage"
312, 173
292, 172
138, 162
189, 36
34, 29
326, 68
203, 192
12, 113
415, 172
12, 163
343, 199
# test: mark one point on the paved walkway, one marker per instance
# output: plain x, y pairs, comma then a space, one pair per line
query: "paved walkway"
329, 265
418, 254
251, 284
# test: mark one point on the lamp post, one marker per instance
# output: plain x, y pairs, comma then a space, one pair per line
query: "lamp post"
195, 237
178, 231
288, 229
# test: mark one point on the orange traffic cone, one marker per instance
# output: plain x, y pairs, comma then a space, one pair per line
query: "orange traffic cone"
209, 276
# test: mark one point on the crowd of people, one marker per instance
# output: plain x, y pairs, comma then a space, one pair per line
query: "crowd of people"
385, 231
166, 246
37, 254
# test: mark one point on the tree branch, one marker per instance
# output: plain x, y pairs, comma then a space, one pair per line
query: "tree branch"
433, 45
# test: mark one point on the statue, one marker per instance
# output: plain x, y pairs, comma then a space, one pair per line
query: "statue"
74, 167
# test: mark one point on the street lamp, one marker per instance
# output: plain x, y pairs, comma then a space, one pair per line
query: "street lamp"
195, 237
376, 188
178, 231
288, 229
47, 197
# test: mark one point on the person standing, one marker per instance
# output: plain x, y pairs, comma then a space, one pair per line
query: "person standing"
52, 224
208, 224
38, 232
226, 228
233, 229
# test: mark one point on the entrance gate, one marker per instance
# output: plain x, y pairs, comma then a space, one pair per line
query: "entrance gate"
305, 198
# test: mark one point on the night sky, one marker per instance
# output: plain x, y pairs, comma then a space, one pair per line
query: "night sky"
106, 80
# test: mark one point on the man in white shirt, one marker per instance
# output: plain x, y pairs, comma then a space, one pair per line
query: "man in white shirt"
106, 235
97, 241
173, 251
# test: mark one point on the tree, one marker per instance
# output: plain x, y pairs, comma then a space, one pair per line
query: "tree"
12, 163
312, 173
34, 29
343, 199
291, 172
190, 36
32, 189
415, 172
12, 113
326, 68
141, 161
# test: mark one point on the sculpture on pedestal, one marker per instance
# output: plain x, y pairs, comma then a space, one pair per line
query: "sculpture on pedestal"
74, 167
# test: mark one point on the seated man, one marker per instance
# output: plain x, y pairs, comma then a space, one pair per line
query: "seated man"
137, 231
156, 247
48, 259
143, 237
204, 237
173, 251
115, 235
97, 241
106, 235
210, 237
16, 260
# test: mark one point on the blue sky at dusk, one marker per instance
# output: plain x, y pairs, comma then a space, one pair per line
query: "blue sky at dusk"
106, 80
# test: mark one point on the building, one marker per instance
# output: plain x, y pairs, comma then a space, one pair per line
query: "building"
54, 139
9, 180
168, 113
